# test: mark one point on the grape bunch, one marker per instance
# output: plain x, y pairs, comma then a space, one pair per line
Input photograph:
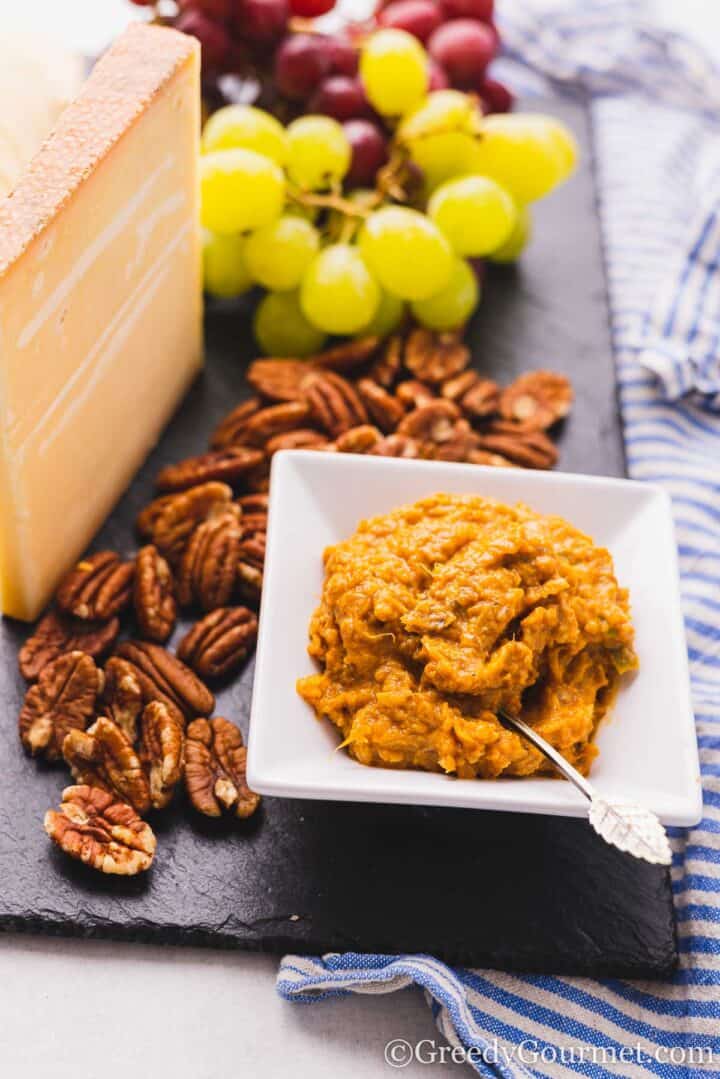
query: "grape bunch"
285, 208
272, 54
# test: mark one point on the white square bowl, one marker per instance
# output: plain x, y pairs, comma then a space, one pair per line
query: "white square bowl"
648, 749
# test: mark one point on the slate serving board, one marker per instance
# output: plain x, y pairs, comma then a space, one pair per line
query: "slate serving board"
484, 889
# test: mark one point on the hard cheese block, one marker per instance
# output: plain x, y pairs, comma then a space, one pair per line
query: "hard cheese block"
100, 304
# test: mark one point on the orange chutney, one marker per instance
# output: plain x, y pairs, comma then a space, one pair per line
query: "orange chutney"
438, 614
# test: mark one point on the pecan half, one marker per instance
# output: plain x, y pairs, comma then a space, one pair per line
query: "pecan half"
348, 356
333, 402
538, 398
57, 633
63, 699
164, 677
227, 465
481, 400
250, 565
254, 514
147, 518
122, 697
304, 438
382, 407
105, 834
162, 752
207, 570
275, 420
97, 587
258, 481
154, 595
386, 369
219, 643
455, 448
104, 757
230, 429
215, 767
358, 439
397, 446
435, 357
252, 504
413, 393
434, 422
180, 514
454, 388
278, 380
528, 448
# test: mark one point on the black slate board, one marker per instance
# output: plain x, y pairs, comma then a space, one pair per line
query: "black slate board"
483, 889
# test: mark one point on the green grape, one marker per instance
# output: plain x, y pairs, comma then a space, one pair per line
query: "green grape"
281, 328
319, 152
407, 252
518, 239
278, 254
248, 128
475, 214
338, 293
225, 271
387, 318
562, 138
394, 71
239, 190
441, 136
521, 155
444, 157
452, 306
441, 111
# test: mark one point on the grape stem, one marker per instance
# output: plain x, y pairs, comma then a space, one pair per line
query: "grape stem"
328, 200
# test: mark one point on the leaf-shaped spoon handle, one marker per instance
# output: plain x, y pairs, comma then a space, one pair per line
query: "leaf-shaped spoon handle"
630, 828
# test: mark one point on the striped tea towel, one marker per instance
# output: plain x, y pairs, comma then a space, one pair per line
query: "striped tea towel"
655, 104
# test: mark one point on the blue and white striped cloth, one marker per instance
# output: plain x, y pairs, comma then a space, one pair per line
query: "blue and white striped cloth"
655, 104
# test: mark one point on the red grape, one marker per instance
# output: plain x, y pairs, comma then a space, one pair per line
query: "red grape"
495, 96
214, 41
261, 21
143, 3
344, 56
301, 62
438, 80
309, 9
468, 9
219, 10
341, 98
464, 48
369, 151
417, 17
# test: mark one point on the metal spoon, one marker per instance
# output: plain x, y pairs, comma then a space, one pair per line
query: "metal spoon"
630, 828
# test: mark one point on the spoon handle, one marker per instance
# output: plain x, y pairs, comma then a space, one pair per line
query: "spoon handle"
550, 752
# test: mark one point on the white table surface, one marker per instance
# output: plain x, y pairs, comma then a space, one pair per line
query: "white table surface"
88, 1009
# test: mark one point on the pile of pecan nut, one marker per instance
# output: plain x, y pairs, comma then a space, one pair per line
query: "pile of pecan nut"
411, 396
131, 718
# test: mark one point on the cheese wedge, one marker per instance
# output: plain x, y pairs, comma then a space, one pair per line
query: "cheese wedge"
100, 304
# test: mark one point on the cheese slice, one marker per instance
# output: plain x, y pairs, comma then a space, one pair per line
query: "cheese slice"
100, 304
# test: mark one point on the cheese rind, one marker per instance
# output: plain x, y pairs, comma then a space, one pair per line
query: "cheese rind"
100, 305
